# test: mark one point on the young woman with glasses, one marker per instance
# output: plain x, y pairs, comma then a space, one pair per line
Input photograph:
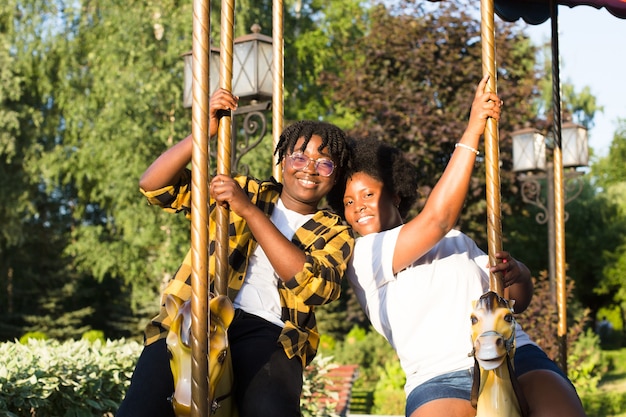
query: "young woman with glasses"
286, 256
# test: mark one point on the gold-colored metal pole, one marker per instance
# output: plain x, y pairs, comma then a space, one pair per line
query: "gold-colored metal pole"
559, 195
492, 150
559, 223
199, 210
278, 76
224, 136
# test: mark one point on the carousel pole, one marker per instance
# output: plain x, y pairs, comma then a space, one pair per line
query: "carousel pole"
492, 150
559, 199
199, 211
224, 144
278, 74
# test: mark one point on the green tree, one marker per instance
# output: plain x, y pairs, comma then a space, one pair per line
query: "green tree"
611, 180
34, 215
412, 83
593, 231
84, 108
93, 105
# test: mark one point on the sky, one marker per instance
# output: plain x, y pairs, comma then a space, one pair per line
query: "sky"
592, 46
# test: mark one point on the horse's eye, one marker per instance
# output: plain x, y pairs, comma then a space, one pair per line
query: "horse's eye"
222, 357
508, 318
474, 319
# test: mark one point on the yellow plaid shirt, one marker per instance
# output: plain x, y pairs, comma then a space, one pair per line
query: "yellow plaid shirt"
325, 240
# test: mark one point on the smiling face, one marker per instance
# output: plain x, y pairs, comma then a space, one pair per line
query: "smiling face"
368, 207
304, 188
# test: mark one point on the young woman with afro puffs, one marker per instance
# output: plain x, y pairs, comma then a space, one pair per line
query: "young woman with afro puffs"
416, 280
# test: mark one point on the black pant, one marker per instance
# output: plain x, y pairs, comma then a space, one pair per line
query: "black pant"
267, 383
151, 385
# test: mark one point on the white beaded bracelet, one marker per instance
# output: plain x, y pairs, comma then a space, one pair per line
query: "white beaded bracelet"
469, 148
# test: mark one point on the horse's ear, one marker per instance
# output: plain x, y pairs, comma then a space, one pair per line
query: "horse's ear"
511, 303
222, 307
474, 304
172, 304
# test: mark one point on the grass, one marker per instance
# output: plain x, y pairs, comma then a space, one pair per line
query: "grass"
615, 379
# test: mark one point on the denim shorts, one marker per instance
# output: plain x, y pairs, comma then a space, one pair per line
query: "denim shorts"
459, 384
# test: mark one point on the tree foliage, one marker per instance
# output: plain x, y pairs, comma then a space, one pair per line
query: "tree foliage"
611, 178
91, 93
413, 81
95, 105
84, 108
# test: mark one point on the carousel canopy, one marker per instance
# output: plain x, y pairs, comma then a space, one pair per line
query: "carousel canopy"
535, 12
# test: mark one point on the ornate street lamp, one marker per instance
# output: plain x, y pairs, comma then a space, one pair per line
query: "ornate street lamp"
214, 72
252, 83
529, 159
252, 65
529, 148
574, 145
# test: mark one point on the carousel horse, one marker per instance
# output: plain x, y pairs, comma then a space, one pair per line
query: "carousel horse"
495, 390
178, 342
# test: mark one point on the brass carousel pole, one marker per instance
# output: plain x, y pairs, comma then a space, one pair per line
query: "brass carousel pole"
199, 211
278, 75
492, 150
559, 199
224, 144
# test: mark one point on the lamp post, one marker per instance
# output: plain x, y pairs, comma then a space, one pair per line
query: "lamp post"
252, 83
529, 159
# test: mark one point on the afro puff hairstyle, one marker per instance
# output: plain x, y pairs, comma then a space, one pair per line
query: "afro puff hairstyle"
386, 164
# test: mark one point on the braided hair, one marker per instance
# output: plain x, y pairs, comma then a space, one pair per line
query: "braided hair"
385, 163
333, 138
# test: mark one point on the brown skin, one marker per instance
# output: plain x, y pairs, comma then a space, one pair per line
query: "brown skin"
302, 190
549, 395
448, 407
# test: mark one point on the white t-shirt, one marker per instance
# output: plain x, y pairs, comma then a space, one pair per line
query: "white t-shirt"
258, 294
424, 310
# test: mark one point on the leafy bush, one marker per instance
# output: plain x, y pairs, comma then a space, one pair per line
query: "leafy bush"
586, 363
33, 335
604, 404
314, 386
73, 378
540, 320
389, 397
380, 383
42, 378
369, 350
610, 399
93, 335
